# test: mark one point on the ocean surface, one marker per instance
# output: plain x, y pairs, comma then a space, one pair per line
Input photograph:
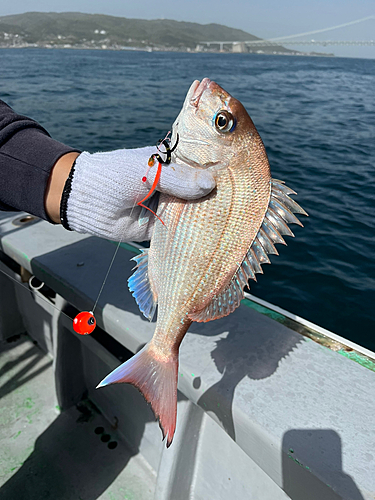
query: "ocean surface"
315, 115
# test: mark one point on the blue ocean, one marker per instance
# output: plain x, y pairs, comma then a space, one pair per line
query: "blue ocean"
315, 115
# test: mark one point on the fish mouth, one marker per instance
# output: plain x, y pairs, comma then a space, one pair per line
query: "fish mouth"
198, 88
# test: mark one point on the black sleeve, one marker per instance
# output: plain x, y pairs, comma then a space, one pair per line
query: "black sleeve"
27, 155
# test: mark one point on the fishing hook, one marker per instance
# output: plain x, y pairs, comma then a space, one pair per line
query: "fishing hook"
168, 152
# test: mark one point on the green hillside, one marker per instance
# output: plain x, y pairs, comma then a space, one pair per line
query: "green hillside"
79, 29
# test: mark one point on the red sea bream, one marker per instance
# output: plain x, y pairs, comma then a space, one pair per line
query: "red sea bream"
198, 265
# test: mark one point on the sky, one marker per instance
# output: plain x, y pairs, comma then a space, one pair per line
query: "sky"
265, 19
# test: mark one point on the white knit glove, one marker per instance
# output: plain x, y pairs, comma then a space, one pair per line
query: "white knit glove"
106, 187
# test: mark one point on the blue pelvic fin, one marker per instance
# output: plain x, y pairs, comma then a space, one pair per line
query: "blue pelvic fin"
279, 214
139, 285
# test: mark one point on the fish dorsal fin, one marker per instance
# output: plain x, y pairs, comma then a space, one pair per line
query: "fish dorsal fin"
275, 223
139, 284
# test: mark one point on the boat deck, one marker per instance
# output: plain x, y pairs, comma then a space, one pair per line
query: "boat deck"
49, 454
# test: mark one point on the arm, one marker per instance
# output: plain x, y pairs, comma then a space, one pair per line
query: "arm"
27, 156
56, 183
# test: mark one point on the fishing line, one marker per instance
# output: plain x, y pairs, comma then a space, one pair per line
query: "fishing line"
114, 256
106, 276
85, 322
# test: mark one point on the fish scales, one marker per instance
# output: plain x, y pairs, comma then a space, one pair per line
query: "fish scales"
200, 260
216, 234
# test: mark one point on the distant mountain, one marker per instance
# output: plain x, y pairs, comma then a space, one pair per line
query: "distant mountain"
100, 31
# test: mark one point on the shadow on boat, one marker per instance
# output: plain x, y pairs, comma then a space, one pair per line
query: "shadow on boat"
312, 466
77, 456
33, 356
250, 346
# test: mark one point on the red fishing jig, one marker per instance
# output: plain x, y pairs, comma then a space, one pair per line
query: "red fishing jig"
84, 323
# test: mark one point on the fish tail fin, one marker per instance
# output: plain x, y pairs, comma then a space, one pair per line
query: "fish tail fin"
156, 378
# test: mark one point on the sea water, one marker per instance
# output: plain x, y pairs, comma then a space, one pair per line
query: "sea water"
315, 115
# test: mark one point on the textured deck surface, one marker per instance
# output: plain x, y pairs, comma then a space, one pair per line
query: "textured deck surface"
45, 454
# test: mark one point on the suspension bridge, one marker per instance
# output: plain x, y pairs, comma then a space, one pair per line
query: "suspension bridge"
291, 39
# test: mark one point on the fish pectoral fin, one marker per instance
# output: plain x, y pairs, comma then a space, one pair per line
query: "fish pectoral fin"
139, 284
224, 303
156, 378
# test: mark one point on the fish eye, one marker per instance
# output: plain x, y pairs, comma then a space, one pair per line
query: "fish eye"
224, 121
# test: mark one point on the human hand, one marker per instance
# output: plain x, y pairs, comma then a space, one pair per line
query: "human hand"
106, 188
